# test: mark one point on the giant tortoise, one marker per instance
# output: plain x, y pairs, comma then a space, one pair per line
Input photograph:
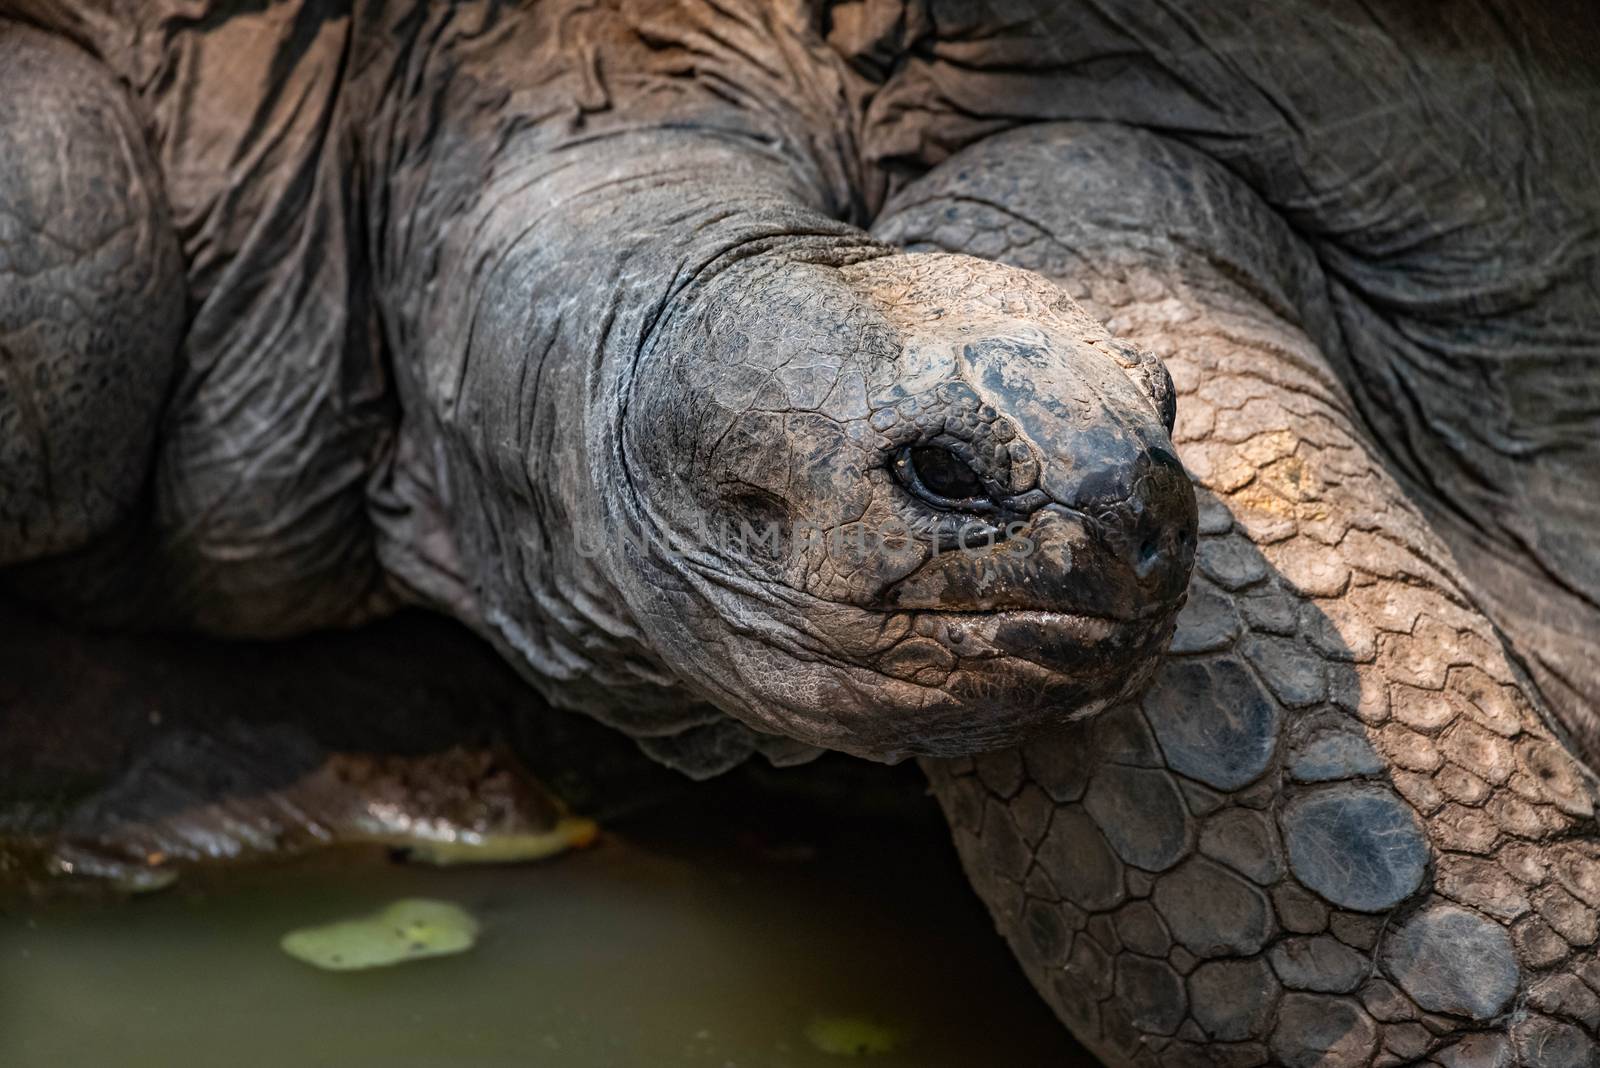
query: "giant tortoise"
1176, 425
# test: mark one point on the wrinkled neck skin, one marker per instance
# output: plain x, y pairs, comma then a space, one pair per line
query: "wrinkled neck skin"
530, 254
618, 335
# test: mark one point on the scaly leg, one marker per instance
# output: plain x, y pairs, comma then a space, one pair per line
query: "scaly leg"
1336, 830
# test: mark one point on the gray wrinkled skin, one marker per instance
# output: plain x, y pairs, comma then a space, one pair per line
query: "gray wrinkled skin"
473, 289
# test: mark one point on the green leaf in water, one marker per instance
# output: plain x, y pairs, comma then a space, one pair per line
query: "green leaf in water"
853, 1036
411, 929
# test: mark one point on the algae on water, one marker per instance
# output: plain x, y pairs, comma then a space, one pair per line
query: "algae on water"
853, 1036
410, 929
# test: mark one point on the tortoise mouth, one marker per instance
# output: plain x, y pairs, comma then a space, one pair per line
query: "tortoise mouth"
1089, 628
1093, 650
1072, 643
1015, 672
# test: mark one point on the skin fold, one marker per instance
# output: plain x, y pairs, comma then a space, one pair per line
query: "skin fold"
516, 312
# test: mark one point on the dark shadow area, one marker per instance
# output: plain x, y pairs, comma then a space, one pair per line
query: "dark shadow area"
82, 709
766, 894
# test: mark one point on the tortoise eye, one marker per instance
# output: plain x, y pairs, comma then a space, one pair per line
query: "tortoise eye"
940, 477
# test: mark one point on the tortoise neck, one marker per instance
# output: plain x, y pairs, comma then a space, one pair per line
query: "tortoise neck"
516, 338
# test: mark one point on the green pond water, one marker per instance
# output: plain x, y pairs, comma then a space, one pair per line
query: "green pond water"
682, 942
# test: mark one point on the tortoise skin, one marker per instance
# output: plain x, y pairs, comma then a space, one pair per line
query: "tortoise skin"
1347, 823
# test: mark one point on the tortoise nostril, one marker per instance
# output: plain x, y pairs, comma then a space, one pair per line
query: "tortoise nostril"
1152, 554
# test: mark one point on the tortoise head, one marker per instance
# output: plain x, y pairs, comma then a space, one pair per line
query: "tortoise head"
914, 504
